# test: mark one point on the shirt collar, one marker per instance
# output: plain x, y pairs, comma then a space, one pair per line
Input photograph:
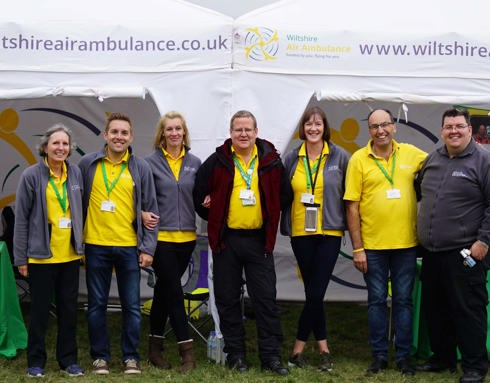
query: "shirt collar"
167, 154
302, 150
124, 158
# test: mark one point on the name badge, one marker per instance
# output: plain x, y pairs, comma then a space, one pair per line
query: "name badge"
393, 194
246, 194
108, 206
248, 201
307, 198
64, 223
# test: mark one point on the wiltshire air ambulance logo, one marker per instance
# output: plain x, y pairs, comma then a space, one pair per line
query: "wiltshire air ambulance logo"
261, 44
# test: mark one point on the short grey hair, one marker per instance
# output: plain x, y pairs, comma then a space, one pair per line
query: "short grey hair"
47, 135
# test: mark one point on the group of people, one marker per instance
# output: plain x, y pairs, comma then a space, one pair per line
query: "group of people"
130, 212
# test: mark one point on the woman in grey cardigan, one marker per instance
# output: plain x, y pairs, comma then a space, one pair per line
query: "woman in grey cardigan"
48, 248
174, 170
315, 221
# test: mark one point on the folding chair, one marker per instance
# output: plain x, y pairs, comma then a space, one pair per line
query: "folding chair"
200, 295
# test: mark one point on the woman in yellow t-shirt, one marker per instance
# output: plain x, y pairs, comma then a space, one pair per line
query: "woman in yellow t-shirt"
174, 170
48, 248
316, 223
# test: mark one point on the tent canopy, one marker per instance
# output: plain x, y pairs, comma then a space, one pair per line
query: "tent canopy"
175, 54
110, 35
377, 38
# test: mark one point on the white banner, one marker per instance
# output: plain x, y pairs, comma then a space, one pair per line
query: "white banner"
267, 48
104, 36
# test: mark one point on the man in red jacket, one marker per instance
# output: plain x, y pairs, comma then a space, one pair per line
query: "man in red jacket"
240, 190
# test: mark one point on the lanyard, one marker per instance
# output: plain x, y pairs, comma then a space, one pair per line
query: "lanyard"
316, 168
106, 181
247, 176
388, 177
61, 200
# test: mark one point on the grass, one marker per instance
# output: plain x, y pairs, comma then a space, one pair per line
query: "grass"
347, 333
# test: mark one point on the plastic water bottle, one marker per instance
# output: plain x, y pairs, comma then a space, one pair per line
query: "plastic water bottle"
467, 259
210, 343
222, 353
219, 341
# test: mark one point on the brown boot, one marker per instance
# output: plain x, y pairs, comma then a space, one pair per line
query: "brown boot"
155, 348
187, 359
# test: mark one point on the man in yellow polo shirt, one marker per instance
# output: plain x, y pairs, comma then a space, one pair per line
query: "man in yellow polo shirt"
240, 190
118, 186
381, 216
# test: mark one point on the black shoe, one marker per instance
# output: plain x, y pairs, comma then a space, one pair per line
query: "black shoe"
377, 365
432, 365
405, 367
275, 365
472, 377
237, 363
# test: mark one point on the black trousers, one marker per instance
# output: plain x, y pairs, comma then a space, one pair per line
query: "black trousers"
48, 281
170, 262
454, 297
245, 251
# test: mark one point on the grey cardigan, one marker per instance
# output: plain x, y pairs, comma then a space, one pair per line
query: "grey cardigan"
333, 208
31, 231
174, 198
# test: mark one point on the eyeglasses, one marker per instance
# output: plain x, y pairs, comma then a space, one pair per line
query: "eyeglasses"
450, 128
247, 131
382, 125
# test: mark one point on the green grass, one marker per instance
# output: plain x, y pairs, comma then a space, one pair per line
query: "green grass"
347, 334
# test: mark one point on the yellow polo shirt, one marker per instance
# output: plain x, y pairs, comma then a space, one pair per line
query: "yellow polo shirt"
111, 228
299, 185
386, 223
60, 241
176, 236
239, 216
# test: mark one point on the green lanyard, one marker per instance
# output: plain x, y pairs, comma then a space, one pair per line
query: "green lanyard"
247, 176
310, 183
388, 177
61, 200
106, 181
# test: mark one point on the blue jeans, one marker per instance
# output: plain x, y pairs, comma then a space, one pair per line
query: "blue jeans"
400, 266
100, 262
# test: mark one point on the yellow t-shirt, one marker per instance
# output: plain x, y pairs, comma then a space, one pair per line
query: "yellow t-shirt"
299, 185
174, 163
60, 241
240, 216
386, 223
176, 236
111, 228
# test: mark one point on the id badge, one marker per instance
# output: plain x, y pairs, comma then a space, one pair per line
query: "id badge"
108, 206
307, 198
311, 218
246, 194
64, 223
248, 201
393, 194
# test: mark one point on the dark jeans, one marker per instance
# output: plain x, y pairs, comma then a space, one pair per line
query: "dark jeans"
245, 251
100, 262
316, 256
400, 266
455, 300
58, 280
170, 262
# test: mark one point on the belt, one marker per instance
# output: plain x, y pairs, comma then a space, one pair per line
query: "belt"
245, 232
